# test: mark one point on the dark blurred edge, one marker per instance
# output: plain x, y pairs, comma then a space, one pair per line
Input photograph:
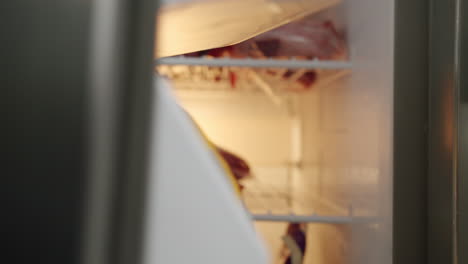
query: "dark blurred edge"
43, 85
410, 132
462, 166
45, 123
442, 140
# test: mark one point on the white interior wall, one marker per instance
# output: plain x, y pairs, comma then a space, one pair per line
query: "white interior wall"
248, 124
341, 127
370, 31
350, 141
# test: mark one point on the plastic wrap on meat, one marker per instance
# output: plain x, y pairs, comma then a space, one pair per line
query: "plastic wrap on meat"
313, 37
307, 38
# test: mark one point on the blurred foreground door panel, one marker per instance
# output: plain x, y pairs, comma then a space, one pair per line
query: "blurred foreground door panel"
70, 125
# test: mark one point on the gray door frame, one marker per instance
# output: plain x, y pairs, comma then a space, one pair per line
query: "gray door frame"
447, 175
410, 132
75, 110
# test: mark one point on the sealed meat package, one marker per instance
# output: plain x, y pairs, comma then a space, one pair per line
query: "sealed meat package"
307, 38
314, 37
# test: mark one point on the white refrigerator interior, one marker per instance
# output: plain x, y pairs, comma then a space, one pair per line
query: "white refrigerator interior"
193, 214
321, 157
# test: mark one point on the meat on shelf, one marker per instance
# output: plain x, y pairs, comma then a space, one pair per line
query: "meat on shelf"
309, 38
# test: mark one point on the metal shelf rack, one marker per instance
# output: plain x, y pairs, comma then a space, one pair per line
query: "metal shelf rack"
256, 63
314, 218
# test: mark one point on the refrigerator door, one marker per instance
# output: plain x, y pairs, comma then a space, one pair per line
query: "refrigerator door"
120, 99
43, 83
74, 112
444, 137
193, 213
410, 132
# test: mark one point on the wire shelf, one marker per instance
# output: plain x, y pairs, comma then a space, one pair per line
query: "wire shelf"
274, 83
312, 219
274, 197
256, 63
281, 212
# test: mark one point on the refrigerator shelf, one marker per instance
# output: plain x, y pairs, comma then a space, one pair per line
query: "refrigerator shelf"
314, 218
281, 207
256, 63
317, 211
284, 195
275, 83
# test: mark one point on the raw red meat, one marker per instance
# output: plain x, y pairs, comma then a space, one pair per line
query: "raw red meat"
309, 38
238, 166
232, 79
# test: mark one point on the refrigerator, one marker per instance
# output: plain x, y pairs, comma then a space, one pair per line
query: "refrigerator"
369, 161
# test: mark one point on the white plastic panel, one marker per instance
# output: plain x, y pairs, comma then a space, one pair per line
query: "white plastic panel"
369, 119
193, 213
348, 140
